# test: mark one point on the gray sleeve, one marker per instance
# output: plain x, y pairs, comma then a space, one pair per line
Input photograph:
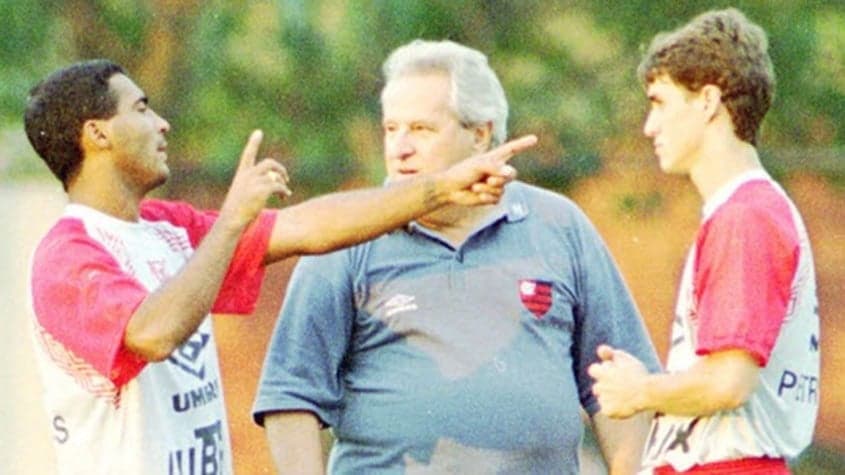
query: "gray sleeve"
301, 367
605, 311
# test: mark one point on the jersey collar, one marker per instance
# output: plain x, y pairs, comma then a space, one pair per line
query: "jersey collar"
727, 190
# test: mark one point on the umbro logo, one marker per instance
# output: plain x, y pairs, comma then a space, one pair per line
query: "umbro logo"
187, 356
399, 303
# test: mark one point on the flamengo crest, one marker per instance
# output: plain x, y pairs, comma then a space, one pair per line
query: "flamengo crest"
536, 295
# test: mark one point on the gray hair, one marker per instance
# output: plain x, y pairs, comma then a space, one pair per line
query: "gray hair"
477, 96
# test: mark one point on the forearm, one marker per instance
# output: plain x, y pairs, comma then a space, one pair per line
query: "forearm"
718, 382
294, 440
343, 219
169, 315
622, 440
681, 394
339, 220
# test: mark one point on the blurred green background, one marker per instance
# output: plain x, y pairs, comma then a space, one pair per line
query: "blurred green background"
308, 74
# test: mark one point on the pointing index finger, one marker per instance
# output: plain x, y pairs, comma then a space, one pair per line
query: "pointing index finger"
515, 146
251, 150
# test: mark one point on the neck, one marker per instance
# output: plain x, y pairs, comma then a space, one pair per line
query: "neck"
455, 222
103, 189
721, 162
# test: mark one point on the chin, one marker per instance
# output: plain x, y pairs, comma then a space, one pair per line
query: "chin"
667, 166
677, 166
398, 177
161, 178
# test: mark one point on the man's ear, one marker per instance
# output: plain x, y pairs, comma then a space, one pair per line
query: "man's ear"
483, 136
95, 135
711, 99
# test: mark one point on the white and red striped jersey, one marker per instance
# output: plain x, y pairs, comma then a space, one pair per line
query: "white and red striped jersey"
748, 283
110, 411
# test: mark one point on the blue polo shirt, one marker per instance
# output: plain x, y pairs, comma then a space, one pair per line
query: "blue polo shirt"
424, 358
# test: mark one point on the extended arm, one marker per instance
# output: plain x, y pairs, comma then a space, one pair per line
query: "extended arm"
339, 220
174, 311
716, 382
294, 439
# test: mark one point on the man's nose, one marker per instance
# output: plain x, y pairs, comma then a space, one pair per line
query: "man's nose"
163, 124
402, 146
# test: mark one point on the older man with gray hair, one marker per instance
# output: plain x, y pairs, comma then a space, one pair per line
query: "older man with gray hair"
459, 344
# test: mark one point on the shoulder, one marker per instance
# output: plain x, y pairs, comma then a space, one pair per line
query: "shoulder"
330, 263
65, 254
540, 196
543, 201
180, 214
548, 209
755, 207
175, 212
755, 224
354, 263
761, 195
67, 233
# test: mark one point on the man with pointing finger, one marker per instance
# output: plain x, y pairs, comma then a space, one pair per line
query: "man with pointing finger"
460, 343
122, 286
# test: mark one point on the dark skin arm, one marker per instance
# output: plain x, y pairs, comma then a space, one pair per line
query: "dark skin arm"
339, 220
169, 315
319, 225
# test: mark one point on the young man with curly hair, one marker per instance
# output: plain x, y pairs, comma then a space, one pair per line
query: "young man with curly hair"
740, 394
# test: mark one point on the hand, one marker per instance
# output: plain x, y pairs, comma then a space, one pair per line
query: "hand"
481, 179
618, 382
252, 185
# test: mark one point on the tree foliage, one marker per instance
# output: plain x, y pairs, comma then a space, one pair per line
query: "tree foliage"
307, 72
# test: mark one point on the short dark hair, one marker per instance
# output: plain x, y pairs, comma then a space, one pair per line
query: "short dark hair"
725, 49
58, 106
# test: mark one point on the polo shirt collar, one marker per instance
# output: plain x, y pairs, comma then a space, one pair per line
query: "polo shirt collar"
512, 207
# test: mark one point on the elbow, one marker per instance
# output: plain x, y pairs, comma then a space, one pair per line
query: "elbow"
157, 355
731, 401
729, 379
316, 245
728, 397
297, 241
326, 242
152, 350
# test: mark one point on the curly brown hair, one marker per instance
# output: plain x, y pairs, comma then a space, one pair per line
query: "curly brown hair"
722, 48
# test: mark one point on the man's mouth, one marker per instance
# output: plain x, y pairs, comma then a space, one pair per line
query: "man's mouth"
657, 147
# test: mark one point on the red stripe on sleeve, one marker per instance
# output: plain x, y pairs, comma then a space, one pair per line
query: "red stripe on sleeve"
747, 256
84, 300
